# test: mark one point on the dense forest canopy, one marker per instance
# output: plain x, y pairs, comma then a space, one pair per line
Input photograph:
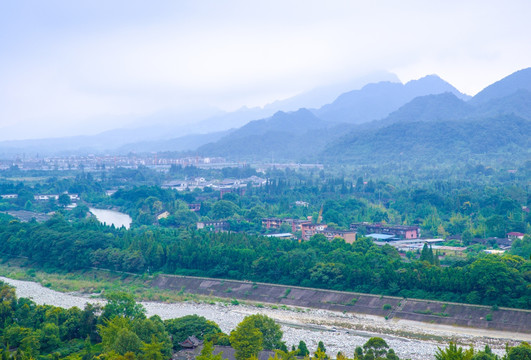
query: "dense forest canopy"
362, 266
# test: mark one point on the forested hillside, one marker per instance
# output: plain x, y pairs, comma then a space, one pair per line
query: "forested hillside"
370, 125
505, 136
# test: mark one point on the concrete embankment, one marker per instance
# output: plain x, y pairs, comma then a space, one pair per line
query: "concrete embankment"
434, 312
339, 331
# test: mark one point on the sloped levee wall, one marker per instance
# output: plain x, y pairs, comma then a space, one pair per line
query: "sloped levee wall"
410, 309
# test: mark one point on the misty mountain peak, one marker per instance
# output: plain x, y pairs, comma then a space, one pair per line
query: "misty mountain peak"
519, 80
378, 100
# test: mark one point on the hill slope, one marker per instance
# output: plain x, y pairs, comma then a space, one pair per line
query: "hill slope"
284, 136
519, 80
431, 140
376, 101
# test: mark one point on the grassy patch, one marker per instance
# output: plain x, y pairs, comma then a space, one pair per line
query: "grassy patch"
352, 302
429, 312
286, 293
94, 282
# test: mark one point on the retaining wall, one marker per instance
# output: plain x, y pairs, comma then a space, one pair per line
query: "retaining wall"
447, 313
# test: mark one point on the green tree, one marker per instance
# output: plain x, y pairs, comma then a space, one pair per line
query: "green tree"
452, 352
377, 345
117, 335
224, 209
87, 349
153, 350
426, 254
320, 353
49, 337
358, 353
122, 304
271, 333
246, 339
286, 355
207, 352
302, 349
64, 200
190, 325
520, 352
126, 341
391, 355
483, 356
153, 328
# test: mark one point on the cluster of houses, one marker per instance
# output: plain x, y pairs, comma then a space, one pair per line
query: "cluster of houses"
223, 186
93, 162
42, 197
403, 238
307, 229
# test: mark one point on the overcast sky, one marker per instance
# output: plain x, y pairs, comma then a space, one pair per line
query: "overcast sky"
79, 66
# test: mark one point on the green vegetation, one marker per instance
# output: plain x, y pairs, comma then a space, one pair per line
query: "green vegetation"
247, 340
30, 331
466, 202
352, 302
362, 266
452, 352
190, 325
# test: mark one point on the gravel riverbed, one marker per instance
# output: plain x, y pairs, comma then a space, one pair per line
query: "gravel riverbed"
338, 331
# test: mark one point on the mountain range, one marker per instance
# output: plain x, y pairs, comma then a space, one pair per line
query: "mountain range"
381, 120
428, 118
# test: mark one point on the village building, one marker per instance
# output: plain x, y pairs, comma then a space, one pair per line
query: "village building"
276, 223
191, 342
215, 226
194, 207
399, 231
281, 235
330, 233
163, 215
449, 250
9, 196
515, 235
45, 197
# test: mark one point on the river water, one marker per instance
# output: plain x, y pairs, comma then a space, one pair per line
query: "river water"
338, 331
111, 217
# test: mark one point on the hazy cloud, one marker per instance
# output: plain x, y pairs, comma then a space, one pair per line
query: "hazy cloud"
75, 66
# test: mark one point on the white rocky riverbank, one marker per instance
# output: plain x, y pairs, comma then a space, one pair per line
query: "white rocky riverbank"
338, 331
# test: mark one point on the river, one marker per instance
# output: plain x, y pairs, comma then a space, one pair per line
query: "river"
338, 331
111, 217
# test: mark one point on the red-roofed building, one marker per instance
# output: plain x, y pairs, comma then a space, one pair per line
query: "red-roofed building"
515, 235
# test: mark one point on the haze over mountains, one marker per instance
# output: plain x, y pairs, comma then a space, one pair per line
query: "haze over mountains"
430, 119
425, 117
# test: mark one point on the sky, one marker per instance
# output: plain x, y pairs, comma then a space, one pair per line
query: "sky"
85, 66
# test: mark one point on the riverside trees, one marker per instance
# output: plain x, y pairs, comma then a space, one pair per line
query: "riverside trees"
30, 331
361, 266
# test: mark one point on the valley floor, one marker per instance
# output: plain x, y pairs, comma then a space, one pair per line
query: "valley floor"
339, 331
